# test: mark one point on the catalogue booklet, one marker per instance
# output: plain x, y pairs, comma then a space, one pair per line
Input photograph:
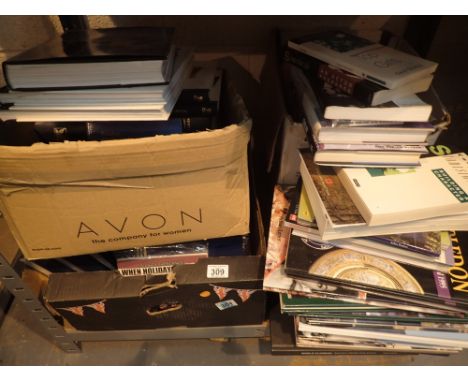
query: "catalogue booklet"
323, 261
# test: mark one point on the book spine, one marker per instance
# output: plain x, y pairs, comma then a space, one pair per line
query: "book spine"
6, 75
194, 109
99, 131
194, 124
346, 83
371, 147
293, 210
189, 96
338, 79
403, 245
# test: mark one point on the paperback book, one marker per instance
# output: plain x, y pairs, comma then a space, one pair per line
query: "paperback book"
377, 63
439, 187
339, 106
337, 216
354, 131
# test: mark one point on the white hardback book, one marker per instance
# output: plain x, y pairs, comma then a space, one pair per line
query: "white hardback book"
367, 158
112, 111
405, 109
383, 65
439, 187
324, 131
337, 217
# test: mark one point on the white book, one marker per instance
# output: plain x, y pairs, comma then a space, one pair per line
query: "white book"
406, 109
414, 87
439, 187
93, 106
326, 131
82, 96
110, 111
84, 115
367, 158
337, 216
377, 63
385, 147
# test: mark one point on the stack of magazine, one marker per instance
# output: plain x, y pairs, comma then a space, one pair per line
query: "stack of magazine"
370, 258
354, 297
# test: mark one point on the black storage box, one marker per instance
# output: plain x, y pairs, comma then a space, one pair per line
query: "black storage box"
196, 295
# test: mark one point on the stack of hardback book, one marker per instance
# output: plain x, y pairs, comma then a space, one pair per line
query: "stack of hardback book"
96, 75
360, 101
100, 84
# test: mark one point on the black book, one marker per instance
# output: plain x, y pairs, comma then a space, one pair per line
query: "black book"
195, 109
14, 133
94, 58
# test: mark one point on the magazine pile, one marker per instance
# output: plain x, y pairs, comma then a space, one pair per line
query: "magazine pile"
402, 293
369, 257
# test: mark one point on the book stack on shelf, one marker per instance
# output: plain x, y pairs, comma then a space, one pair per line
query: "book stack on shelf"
370, 257
364, 104
141, 86
137, 128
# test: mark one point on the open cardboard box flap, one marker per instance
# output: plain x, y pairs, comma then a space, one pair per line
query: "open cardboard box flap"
95, 162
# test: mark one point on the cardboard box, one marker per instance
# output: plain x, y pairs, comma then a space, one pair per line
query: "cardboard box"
76, 198
213, 292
